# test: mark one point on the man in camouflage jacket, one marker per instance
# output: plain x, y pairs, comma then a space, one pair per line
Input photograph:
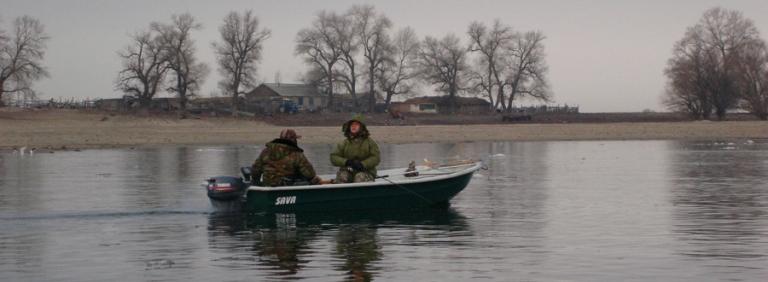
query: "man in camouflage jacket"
283, 163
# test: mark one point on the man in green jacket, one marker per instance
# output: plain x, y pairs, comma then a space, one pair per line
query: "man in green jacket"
282, 163
357, 156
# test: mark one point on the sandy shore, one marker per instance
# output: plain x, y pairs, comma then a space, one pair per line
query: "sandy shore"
61, 129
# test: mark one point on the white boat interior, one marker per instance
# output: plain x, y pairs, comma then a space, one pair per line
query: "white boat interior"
389, 176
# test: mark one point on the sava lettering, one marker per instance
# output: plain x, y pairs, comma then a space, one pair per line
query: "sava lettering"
287, 200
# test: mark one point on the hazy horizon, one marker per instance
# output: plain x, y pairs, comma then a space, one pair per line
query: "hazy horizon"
605, 56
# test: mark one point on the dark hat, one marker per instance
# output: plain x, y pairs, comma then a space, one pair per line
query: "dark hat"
289, 134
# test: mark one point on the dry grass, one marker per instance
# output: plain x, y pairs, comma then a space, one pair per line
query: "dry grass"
57, 129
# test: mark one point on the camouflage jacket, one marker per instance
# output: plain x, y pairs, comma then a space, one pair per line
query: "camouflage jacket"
361, 148
282, 159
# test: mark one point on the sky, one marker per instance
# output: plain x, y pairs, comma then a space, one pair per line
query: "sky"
603, 55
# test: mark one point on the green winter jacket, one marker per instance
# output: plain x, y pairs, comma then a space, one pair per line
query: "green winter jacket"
282, 159
361, 148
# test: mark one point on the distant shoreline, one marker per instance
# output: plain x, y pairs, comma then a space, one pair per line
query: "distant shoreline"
69, 129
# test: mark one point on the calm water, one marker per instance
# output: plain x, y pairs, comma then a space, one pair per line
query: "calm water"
543, 211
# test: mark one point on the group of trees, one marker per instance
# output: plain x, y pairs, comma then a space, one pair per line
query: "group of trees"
511, 64
162, 50
343, 49
166, 51
720, 64
21, 53
353, 50
506, 64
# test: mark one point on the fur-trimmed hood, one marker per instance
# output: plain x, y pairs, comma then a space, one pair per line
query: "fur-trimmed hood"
363, 129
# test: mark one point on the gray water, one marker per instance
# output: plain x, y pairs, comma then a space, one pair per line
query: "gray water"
543, 211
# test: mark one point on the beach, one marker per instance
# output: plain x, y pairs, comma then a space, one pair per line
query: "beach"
72, 129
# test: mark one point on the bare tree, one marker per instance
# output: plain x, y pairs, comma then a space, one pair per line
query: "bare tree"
372, 30
320, 47
399, 65
528, 69
492, 45
443, 63
177, 42
726, 32
753, 81
21, 54
239, 53
144, 67
707, 68
348, 45
688, 87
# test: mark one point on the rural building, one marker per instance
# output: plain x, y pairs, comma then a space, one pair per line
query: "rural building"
440, 104
267, 96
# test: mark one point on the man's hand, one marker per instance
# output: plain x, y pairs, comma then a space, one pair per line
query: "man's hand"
355, 164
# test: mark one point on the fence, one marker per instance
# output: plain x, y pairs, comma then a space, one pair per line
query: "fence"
52, 103
546, 109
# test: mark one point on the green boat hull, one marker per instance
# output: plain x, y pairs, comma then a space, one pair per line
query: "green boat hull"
382, 196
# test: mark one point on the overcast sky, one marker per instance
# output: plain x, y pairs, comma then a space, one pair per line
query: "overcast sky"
606, 56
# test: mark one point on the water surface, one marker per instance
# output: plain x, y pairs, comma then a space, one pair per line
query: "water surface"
543, 211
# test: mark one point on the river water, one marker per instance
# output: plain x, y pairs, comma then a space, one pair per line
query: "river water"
543, 211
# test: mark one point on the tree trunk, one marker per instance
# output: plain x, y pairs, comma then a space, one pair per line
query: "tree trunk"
145, 101
353, 92
720, 113
371, 86
490, 85
234, 98
490, 98
234, 105
500, 98
354, 97
499, 102
2, 83
511, 99
452, 100
331, 106
388, 100
183, 107
512, 94
182, 91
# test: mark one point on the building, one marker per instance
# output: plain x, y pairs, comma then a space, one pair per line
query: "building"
267, 96
441, 104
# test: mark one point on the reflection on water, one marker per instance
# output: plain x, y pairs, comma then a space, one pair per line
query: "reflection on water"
720, 196
543, 211
286, 243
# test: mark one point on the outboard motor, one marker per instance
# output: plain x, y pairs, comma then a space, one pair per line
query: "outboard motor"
227, 193
225, 188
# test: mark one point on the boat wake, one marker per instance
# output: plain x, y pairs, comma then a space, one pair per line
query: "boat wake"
99, 215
